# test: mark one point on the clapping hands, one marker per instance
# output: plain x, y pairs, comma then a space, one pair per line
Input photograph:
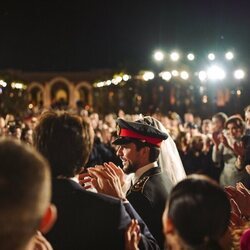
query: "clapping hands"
106, 178
240, 202
132, 236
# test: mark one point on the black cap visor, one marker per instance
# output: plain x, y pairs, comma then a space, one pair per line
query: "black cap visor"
123, 140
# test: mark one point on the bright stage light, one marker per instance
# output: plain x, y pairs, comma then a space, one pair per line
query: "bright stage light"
158, 56
3, 83
175, 56
108, 82
190, 57
17, 85
184, 75
239, 74
126, 77
202, 76
165, 75
116, 80
175, 73
216, 73
211, 56
99, 84
148, 75
229, 55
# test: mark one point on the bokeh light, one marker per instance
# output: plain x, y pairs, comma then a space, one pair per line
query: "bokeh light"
175, 56
158, 56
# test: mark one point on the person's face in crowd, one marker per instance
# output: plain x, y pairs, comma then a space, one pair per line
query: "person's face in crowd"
198, 121
247, 118
130, 157
186, 140
217, 124
232, 130
194, 132
174, 123
29, 136
106, 135
174, 132
198, 143
94, 119
17, 134
166, 122
188, 117
33, 122
121, 113
206, 128
109, 119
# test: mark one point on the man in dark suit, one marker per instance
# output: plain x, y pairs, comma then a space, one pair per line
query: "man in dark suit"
139, 148
86, 220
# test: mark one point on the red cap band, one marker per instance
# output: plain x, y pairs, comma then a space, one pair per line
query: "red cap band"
129, 133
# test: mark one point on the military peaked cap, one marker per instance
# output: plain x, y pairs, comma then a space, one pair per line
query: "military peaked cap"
139, 130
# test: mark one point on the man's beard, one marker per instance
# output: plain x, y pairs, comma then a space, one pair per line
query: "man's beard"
130, 168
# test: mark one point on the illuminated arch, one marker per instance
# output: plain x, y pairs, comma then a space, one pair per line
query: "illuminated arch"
69, 86
38, 85
89, 91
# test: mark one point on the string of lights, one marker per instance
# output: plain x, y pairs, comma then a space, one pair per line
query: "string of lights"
213, 71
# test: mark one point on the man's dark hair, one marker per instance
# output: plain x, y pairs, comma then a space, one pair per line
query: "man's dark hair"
65, 141
154, 151
25, 191
189, 208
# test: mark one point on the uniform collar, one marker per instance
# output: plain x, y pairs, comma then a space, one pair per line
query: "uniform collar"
143, 170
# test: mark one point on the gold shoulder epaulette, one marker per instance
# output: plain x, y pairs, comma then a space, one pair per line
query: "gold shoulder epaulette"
138, 186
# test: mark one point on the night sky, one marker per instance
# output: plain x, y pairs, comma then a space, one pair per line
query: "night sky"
95, 34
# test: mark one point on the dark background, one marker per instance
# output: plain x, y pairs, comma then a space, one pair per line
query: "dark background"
94, 34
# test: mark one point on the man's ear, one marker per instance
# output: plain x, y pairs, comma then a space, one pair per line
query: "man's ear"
169, 228
48, 219
145, 150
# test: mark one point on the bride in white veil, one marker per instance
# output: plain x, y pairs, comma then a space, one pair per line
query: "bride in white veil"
169, 158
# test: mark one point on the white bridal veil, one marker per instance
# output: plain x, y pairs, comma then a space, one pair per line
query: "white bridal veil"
169, 158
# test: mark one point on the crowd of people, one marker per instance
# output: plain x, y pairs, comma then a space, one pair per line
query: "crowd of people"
124, 181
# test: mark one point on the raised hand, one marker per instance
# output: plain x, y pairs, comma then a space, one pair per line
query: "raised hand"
85, 180
239, 148
117, 170
106, 181
224, 141
132, 236
236, 217
216, 138
40, 243
240, 199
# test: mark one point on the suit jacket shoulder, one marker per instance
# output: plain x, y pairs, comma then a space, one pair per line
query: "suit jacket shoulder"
86, 220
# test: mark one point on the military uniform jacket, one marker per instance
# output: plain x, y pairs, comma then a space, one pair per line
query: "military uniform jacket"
149, 196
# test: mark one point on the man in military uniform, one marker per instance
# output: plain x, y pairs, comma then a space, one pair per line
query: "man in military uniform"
139, 148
